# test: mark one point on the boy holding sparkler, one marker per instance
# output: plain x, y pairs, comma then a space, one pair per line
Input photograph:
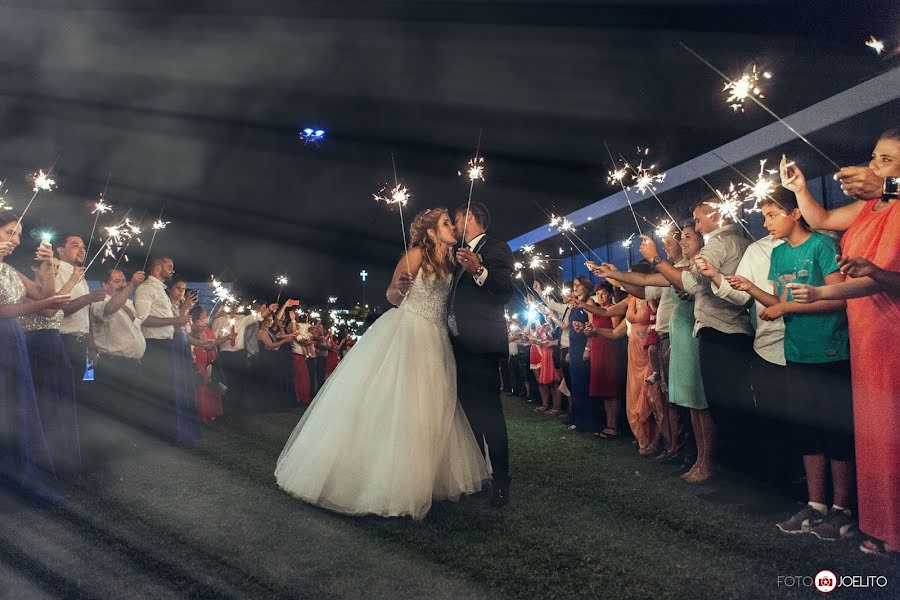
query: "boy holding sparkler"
817, 351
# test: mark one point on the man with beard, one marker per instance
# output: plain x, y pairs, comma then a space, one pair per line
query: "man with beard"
153, 308
75, 328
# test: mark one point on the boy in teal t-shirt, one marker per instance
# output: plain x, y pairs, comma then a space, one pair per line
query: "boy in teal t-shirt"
816, 345
809, 337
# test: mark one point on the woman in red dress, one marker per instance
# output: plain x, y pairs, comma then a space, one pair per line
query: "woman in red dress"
605, 363
548, 375
872, 232
210, 388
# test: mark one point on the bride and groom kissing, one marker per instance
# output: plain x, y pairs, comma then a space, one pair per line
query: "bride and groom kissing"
412, 413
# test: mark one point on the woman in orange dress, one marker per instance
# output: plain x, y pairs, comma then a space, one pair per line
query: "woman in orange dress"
872, 232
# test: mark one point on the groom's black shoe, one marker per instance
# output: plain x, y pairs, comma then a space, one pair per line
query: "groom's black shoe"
499, 494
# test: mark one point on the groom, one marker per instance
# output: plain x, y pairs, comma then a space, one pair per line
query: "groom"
482, 285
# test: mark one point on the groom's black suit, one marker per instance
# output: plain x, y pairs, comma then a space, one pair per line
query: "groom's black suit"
481, 342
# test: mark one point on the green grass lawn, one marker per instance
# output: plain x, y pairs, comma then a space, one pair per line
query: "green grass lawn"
588, 519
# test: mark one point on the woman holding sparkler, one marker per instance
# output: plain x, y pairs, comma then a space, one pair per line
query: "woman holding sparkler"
604, 386
24, 454
386, 434
583, 415
872, 232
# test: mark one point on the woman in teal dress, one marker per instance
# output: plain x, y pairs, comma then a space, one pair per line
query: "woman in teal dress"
685, 384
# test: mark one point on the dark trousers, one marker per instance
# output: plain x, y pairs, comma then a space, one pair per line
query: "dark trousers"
321, 363
777, 460
725, 370
156, 411
115, 408
512, 374
76, 348
477, 383
234, 365
313, 371
115, 379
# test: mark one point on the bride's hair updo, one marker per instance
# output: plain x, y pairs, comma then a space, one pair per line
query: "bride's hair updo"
432, 265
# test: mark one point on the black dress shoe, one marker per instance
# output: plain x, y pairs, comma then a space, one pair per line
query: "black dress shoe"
499, 494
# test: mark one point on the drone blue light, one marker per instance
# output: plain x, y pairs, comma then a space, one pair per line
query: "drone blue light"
310, 135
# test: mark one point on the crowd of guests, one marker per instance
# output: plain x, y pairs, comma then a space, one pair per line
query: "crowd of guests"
161, 364
768, 351
780, 346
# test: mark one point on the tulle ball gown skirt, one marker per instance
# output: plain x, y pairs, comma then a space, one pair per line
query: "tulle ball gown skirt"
386, 435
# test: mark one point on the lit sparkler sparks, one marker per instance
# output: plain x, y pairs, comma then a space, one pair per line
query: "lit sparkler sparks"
474, 169
547, 290
332, 299
518, 266
398, 195
43, 182
742, 88
645, 178
728, 205
160, 224
617, 176
565, 291
536, 263
527, 248
101, 207
762, 188
119, 238
281, 280
626, 243
664, 229
875, 44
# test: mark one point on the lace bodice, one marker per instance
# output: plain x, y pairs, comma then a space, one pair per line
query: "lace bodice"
12, 291
428, 298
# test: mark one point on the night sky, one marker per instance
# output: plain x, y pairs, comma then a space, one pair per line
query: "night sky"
194, 109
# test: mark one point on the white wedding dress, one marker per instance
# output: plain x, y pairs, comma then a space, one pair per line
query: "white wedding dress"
386, 434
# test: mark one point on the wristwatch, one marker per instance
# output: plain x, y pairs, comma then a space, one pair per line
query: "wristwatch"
656, 260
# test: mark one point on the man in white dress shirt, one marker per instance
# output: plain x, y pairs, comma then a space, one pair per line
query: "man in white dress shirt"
233, 356
75, 328
158, 321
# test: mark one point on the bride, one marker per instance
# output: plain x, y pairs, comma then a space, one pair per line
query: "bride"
386, 435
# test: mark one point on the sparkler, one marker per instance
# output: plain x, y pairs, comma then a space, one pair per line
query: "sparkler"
3, 204
564, 226
645, 178
474, 170
280, 281
742, 88
332, 299
762, 188
664, 229
130, 232
618, 175
626, 243
876, 45
760, 103
157, 225
42, 182
100, 208
398, 195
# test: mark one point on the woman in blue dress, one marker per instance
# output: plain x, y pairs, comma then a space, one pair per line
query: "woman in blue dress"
583, 414
25, 458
